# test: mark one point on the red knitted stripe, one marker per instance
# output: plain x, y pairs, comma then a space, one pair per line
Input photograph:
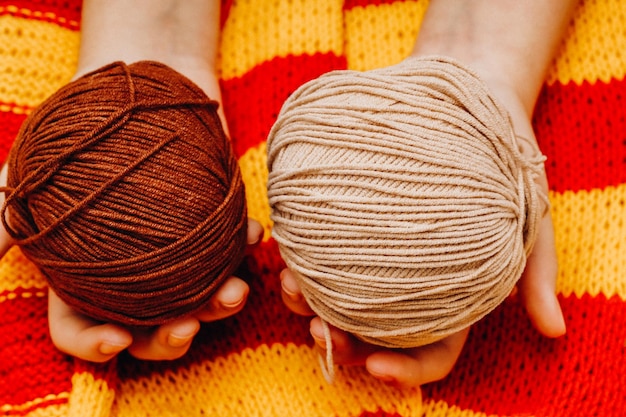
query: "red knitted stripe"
252, 102
65, 13
9, 126
349, 4
582, 130
30, 367
508, 368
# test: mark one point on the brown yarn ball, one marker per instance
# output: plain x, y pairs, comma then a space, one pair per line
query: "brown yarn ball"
124, 190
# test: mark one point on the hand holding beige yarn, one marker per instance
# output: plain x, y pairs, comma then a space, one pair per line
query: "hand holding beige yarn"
511, 45
401, 198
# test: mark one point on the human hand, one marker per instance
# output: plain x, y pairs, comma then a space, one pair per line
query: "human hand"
130, 31
400, 367
416, 366
80, 336
536, 287
85, 338
5, 239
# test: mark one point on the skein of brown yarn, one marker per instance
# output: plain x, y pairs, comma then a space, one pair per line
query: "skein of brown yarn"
401, 199
123, 189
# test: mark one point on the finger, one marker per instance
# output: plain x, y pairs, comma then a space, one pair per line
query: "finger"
292, 295
78, 335
417, 366
168, 342
5, 239
229, 299
255, 232
347, 349
537, 286
172, 340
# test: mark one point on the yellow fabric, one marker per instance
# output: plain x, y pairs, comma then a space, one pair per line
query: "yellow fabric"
229, 386
381, 35
590, 228
90, 396
594, 48
254, 173
18, 273
37, 59
253, 35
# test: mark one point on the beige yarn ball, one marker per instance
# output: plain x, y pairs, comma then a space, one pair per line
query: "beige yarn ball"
400, 198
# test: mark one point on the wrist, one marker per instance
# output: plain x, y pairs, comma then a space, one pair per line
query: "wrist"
509, 44
498, 71
197, 70
183, 34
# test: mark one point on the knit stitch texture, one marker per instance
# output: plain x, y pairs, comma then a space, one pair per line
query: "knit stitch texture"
261, 362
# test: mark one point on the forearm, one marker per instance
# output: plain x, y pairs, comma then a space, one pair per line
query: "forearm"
183, 34
507, 42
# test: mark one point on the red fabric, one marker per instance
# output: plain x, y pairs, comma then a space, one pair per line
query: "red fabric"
30, 366
582, 131
507, 368
252, 102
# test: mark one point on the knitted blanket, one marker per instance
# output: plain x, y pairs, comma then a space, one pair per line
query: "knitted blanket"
261, 362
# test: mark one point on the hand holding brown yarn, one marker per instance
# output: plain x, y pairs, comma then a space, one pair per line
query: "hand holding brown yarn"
401, 200
123, 189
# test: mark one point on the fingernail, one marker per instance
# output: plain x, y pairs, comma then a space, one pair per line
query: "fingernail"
232, 295
293, 294
383, 377
106, 348
379, 375
255, 239
318, 338
178, 341
233, 304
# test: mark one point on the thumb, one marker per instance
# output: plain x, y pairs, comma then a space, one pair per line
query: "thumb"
537, 286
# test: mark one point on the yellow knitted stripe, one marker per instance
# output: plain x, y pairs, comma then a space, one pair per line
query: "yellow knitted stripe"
242, 384
594, 46
382, 35
90, 396
36, 59
37, 407
590, 231
254, 172
17, 272
253, 34
434, 408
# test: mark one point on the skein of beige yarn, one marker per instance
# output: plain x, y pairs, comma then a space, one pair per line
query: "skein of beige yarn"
401, 199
